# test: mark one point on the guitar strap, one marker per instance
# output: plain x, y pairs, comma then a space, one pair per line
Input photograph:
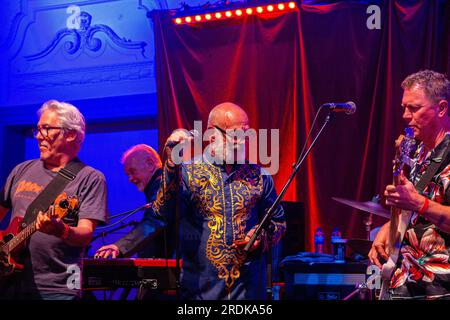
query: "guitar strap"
52, 190
432, 169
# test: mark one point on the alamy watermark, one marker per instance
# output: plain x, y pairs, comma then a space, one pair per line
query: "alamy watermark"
374, 277
231, 146
74, 20
74, 280
374, 20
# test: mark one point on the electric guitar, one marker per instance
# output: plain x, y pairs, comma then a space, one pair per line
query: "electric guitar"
14, 237
399, 218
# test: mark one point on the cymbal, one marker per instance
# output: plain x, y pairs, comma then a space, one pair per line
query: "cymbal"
368, 206
361, 246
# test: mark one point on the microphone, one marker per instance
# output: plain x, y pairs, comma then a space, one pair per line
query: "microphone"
347, 107
193, 133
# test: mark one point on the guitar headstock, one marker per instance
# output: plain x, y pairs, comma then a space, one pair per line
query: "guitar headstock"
64, 204
406, 146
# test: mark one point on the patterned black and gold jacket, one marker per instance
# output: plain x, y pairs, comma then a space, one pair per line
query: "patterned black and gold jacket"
217, 208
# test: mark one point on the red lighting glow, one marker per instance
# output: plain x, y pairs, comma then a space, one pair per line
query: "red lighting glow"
263, 10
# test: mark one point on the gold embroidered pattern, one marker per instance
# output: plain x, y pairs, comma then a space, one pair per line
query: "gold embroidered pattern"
165, 193
207, 186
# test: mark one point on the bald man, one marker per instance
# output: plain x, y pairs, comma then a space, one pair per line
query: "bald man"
142, 165
221, 204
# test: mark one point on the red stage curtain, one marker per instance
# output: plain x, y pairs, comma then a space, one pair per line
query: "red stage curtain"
281, 69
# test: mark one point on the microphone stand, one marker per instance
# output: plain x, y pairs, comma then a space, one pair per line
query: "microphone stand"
145, 206
105, 233
122, 225
266, 219
265, 222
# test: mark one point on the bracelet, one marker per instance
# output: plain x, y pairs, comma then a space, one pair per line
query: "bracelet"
424, 207
66, 232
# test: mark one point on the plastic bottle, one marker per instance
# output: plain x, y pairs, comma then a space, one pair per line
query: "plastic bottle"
338, 246
335, 235
319, 240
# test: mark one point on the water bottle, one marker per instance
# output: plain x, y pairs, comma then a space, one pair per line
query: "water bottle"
319, 240
335, 235
338, 246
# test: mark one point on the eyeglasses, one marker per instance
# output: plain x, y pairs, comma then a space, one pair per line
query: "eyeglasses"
224, 132
44, 130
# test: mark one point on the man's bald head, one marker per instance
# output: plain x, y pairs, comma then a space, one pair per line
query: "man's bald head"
228, 123
228, 115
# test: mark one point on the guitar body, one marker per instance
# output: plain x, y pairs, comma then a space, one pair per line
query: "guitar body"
12, 266
14, 238
388, 268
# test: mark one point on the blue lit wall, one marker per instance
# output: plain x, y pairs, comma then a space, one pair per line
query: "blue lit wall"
110, 77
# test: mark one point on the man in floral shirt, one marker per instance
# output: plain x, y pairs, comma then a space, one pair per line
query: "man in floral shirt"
423, 269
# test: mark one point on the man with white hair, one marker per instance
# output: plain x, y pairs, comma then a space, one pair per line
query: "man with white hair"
52, 256
142, 165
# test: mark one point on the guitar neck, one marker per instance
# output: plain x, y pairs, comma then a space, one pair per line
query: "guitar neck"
21, 237
62, 205
395, 213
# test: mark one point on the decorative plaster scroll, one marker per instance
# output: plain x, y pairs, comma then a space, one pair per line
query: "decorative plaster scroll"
83, 39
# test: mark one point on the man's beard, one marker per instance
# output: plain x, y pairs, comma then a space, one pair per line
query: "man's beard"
227, 153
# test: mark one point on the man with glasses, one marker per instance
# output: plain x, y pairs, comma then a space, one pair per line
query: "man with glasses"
422, 270
221, 203
52, 256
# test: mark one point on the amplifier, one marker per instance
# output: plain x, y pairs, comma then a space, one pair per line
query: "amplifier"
322, 280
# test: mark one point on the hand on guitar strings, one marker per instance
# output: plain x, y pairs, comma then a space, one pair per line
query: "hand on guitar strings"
50, 222
404, 195
4, 261
380, 247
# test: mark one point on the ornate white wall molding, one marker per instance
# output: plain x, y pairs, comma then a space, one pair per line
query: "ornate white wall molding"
114, 44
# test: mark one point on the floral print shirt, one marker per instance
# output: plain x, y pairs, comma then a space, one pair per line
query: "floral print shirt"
423, 268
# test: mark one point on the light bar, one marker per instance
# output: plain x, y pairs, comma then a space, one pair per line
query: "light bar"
260, 10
